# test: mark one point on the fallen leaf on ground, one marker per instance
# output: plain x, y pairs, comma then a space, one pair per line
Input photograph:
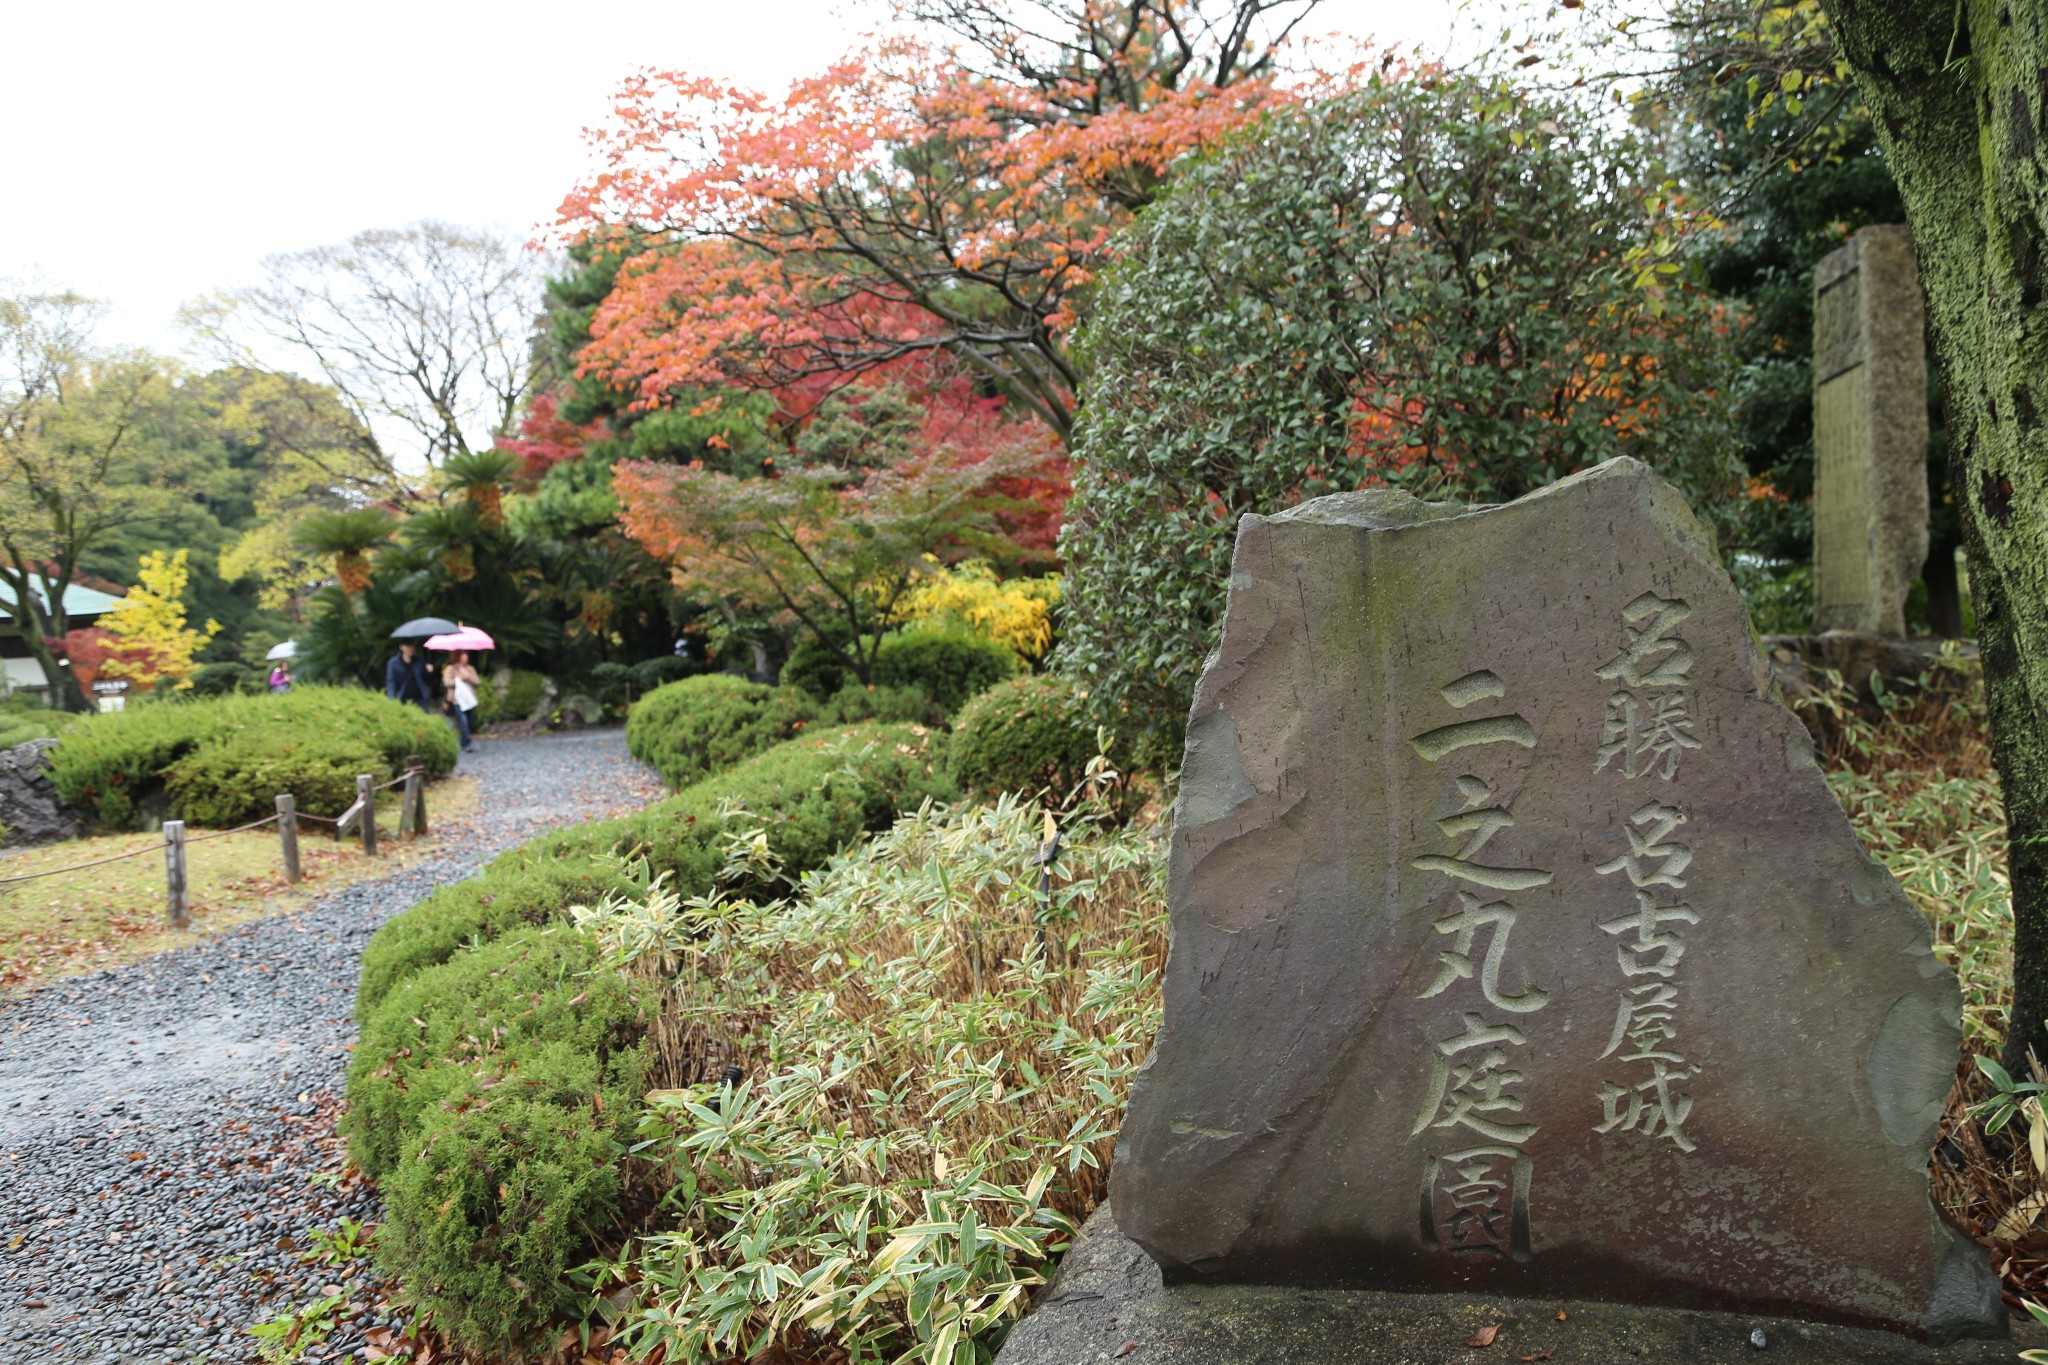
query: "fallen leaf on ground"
1485, 1335
1540, 1355
1560, 1315
1123, 1350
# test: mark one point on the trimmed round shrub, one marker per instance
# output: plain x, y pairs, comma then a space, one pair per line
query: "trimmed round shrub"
118, 764
816, 670
499, 1163
1024, 735
529, 989
950, 664
496, 1204
852, 704
693, 728
238, 780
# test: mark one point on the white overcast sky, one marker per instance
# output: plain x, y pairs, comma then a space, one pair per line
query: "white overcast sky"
155, 151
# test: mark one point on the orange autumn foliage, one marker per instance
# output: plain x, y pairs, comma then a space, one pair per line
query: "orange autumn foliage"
901, 203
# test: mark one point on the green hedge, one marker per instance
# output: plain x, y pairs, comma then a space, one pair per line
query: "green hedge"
22, 720
815, 669
236, 780
700, 725
223, 753
853, 703
504, 1076
949, 664
1026, 735
499, 1069
814, 795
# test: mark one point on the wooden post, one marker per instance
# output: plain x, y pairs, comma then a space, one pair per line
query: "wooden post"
174, 869
366, 797
411, 805
288, 835
419, 805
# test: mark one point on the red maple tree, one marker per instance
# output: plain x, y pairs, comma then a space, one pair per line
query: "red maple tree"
920, 198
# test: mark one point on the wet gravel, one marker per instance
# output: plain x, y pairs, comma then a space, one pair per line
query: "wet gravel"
166, 1128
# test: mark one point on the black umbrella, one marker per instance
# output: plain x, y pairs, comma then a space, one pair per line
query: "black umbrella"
424, 626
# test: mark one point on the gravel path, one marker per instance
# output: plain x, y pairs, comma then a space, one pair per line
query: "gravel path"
161, 1124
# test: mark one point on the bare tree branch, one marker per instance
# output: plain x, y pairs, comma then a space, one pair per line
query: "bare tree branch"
425, 330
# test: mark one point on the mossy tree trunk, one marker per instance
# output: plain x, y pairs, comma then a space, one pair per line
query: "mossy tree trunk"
1958, 93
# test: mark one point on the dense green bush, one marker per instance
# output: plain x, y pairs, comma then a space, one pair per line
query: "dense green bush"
608, 681
1257, 344
1026, 735
236, 780
498, 1157
500, 1069
218, 680
700, 725
949, 663
649, 674
117, 763
813, 796
527, 989
22, 720
504, 1198
815, 669
488, 707
523, 690
853, 703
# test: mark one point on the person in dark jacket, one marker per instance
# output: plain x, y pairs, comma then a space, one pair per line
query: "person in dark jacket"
405, 678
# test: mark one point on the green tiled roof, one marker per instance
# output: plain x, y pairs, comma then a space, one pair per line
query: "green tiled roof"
78, 601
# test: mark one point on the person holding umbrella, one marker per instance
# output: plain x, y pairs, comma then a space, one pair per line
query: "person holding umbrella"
405, 677
281, 669
405, 674
461, 678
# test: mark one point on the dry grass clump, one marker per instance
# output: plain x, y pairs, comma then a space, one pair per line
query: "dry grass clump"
929, 1059
1914, 772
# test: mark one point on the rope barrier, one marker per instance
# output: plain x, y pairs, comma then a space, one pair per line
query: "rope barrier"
80, 867
202, 838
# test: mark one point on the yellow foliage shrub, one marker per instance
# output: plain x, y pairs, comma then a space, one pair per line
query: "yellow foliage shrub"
1014, 612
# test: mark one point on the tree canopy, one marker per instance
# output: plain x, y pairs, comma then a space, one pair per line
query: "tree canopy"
1423, 284
949, 197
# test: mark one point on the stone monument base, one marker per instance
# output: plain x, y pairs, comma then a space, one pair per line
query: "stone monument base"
1107, 1304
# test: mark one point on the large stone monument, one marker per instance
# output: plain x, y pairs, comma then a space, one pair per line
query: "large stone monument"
1520, 947
1869, 433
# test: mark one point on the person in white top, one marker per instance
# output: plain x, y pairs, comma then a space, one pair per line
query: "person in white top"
460, 678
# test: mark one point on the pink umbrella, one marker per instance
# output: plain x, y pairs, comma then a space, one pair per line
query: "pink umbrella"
469, 637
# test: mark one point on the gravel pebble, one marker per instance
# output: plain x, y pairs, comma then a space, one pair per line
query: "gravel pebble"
161, 1124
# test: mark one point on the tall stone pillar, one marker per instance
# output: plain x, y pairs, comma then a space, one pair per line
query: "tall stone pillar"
1869, 433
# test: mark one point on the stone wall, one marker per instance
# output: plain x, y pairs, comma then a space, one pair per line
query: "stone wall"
30, 809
